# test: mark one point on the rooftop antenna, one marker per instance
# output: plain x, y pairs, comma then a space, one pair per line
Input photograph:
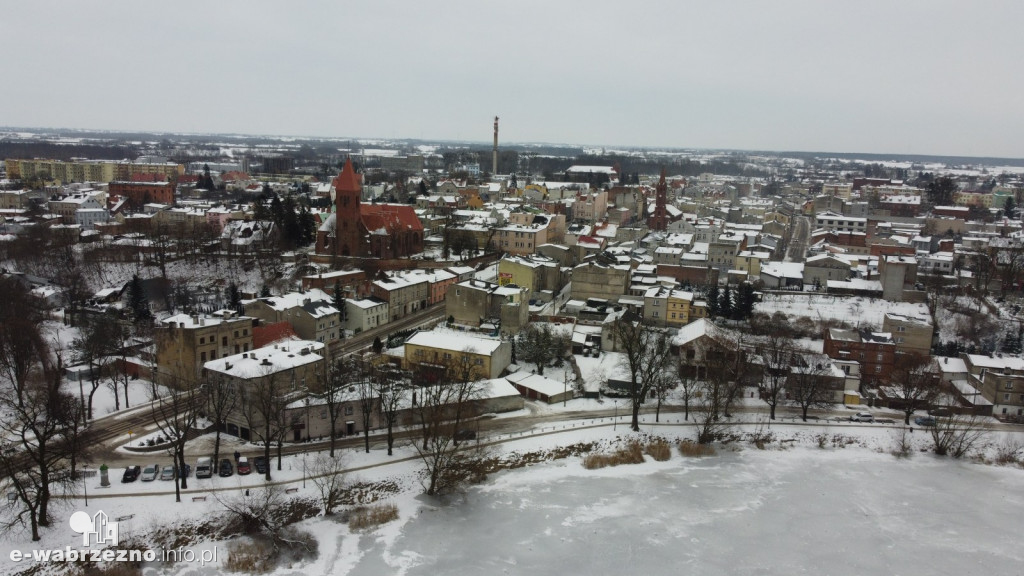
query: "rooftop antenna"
494, 154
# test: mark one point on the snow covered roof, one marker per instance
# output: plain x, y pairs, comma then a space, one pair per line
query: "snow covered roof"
269, 360
542, 384
455, 341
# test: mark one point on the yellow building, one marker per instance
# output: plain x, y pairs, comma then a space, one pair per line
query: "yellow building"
750, 262
667, 307
482, 357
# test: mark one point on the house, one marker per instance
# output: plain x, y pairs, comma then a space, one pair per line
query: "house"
912, 334
291, 369
600, 279
405, 294
365, 313
818, 270
874, 351
667, 306
536, 387
184, 344
477, 303
485, 357
535, 273
312, 313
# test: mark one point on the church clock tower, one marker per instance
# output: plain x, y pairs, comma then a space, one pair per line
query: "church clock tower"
347, 218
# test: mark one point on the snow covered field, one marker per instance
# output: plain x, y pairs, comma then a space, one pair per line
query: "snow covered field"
801, 509
855, 310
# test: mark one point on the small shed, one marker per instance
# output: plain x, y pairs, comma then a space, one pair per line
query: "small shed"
537, 387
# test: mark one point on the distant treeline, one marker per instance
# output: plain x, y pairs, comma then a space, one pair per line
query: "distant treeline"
27, 150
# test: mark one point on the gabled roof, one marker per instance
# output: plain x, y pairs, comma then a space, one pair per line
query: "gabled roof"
347, 180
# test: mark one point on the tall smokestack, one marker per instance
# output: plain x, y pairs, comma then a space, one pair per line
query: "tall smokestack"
494, 155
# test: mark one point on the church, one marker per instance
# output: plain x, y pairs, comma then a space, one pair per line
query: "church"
367, 230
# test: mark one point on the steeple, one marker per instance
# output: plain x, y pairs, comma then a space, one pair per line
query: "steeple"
659, 219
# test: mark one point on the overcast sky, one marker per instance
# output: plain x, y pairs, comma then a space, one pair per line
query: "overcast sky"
929, 77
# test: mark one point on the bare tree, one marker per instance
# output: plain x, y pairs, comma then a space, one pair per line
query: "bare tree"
958, 435
266, 511
367, 400
774, 354
689, 385
262, 402
722, 373
646, 352
175, 410
808, 383
915, 381
341, 375
101, 338
221, 399
328, 476
392, 386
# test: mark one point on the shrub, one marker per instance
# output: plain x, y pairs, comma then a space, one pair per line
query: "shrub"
632, 453
695, 450
368, 517
249, 557
658, 449
902, 446
1008, 452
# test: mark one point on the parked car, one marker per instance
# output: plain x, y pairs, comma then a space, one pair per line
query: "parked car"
204, 467
226, 468
924, 421
188, 471
131, 474
243, 466
149, 473
260, 463
465, 434
940, 412
862, 417
167, 473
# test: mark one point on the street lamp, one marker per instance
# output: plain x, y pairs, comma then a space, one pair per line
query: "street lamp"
85, 482
615, 421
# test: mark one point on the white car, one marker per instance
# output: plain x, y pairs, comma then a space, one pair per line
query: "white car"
149, 473
862, 417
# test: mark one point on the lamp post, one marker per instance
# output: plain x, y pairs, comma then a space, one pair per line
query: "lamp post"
615, 420
85, 482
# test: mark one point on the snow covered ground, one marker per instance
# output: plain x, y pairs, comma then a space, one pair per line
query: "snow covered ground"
800, 509
854, 311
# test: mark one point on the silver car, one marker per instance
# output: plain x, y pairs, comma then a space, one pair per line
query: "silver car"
149, 473
167, 473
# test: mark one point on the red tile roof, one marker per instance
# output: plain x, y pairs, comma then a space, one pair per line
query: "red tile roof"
271, 333
348, 180
390, 217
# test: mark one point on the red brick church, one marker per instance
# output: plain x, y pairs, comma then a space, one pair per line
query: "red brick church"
367, 230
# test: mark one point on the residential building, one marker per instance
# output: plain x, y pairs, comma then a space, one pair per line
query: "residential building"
535, 273
667, 306
185, 343
365, 313
312, 314
875, 351
405, 294
485, 357
593, 279
141, 193
818, 270
478, 303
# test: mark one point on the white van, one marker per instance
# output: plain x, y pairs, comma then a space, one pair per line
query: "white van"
204, 467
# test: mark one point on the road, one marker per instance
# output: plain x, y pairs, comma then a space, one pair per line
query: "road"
798, 242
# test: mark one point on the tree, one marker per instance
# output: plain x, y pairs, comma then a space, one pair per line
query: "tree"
713, 301
1010, 207
915, 383
101, 338
646, 353
723, 367
775, 354
342, 374
221, 399
689, 386
37, 440
392, 386
725, 304
808, 385
138, 301
440, 406
958, 435
744, 301
262, 402
234, 297
539, 344
175, 410
328, 476
940, 191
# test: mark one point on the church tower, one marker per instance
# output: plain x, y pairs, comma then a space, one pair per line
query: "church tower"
347, 218
659, 219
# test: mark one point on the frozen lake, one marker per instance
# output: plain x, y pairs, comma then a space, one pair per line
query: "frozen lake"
801, 511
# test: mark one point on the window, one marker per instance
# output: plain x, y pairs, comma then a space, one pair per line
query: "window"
224, 341
1006, 397
202, 340
901, 328
878, 369
879, 357
245, 331
348, 410
1008, 386
236, 333
202, 357
657, 302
